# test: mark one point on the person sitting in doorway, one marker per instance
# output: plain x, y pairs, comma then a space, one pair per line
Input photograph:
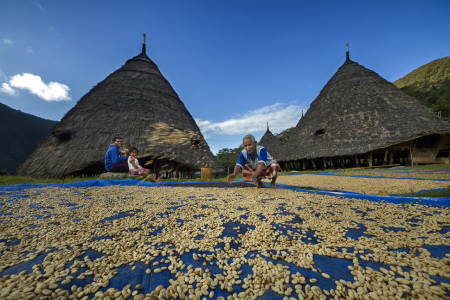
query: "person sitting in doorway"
256, 164
114, 161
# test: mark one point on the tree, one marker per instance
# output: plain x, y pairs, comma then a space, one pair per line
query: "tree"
443, 104
227, 157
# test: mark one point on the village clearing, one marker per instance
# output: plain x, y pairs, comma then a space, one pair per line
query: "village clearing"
114, 239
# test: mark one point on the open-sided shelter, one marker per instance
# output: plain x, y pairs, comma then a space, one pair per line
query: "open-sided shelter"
135, 102
359, 118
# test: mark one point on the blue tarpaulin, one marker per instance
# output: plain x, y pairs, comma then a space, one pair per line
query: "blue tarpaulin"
105, 234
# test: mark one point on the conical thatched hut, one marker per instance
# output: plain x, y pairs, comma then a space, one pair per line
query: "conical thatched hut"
135, 102
359, 118
272, 144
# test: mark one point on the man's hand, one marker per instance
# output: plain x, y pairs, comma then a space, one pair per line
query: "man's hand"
233, 175
258, 170
255, 178
230, 178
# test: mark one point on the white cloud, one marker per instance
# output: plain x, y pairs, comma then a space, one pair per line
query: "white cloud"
279, 115
39, 6
6, 88
3, 76
7, 42
52, 91
29, 49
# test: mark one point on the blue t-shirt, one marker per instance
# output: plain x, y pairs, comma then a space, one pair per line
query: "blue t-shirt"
261, 155
113, 157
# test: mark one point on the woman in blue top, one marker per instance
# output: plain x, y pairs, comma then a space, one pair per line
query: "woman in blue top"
256, 164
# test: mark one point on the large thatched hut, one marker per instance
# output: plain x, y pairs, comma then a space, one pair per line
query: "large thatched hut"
272, 144
359, 118
135, 102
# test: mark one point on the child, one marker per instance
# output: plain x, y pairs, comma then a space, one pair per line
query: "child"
135, 167
125, 152
256, 164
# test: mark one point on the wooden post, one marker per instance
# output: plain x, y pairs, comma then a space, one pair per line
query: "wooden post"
385, 160
412, 150
331, 161
313, 163
370, 159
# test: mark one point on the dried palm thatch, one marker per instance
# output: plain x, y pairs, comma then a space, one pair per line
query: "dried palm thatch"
358, 112
135, 102
272, 144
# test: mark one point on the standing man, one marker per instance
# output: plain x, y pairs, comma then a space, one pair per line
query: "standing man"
114, 161
256, 163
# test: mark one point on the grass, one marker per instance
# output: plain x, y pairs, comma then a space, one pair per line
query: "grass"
437, 194
10, 180
431, 167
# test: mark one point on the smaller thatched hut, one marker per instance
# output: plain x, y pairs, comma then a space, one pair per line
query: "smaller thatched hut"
272, 144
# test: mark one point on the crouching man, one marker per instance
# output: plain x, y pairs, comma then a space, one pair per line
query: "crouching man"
256, 164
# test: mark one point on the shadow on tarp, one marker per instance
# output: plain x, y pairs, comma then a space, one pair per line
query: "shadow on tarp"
135, 273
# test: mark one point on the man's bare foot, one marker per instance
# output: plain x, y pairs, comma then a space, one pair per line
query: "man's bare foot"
272, 183
260, 184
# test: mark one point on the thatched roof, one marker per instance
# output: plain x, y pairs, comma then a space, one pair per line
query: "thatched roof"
357, 112
272, 144
135, 102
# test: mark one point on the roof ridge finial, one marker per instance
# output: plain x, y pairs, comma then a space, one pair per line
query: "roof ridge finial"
268, 126
348, 53
143, 45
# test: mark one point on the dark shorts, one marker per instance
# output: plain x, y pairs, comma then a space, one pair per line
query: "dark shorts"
120, 168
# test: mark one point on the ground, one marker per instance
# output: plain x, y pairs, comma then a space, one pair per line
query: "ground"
125, 238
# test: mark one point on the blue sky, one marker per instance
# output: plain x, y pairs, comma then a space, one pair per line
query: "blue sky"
236, 65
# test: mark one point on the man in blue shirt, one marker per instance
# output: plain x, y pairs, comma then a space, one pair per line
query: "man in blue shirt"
114, 161
256, 164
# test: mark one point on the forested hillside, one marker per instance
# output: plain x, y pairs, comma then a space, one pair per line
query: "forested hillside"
21, 134
430, 84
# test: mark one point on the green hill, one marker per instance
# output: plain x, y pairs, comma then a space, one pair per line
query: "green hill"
430, 84
21, 134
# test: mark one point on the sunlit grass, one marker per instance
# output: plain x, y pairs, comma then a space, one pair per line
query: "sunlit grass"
439, 194
10, 180
431, 167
